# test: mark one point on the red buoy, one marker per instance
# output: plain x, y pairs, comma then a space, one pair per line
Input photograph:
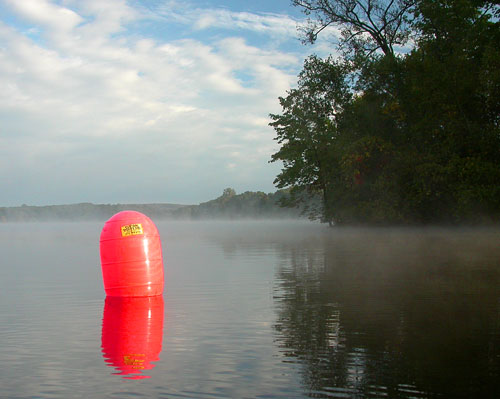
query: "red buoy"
131, 256
132, 334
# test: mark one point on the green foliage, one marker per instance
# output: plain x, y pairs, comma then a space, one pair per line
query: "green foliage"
255, 205
307, 130
412, 138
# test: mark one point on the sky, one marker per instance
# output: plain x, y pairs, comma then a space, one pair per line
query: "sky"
142, 101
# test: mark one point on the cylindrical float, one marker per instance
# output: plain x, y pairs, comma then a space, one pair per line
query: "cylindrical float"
132, 333
131, 256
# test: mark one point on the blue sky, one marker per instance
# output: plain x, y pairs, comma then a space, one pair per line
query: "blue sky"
142, 101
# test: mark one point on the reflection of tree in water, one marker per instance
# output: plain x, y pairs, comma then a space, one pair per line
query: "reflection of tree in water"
407, 315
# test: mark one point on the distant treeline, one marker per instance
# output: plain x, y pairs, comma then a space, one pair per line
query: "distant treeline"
240, 206
228, 206
82, 211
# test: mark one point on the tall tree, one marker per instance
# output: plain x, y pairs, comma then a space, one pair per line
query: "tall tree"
415, 137
449, 96
306, 130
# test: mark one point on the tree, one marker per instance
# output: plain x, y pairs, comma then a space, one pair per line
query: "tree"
307, 131
412, 138
228, 192
365, 25
450, 100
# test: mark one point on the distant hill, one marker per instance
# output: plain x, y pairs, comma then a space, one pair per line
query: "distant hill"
228, 206
82, 211
248, 205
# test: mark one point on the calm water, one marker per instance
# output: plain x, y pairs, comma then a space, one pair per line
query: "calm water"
254, 310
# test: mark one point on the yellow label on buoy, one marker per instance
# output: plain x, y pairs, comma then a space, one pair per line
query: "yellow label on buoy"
131, 360
132, 230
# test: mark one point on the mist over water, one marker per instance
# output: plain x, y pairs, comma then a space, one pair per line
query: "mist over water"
259, 309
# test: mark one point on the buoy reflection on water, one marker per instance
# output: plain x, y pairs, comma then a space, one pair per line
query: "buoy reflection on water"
132, 334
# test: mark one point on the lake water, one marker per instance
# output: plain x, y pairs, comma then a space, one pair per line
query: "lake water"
254, 310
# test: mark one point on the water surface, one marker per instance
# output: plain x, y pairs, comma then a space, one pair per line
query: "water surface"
255, 310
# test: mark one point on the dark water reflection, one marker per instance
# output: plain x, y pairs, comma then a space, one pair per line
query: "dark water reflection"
402, 314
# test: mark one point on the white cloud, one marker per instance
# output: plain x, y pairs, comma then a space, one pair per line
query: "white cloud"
86, 107
264, 23
204, 18
46, 13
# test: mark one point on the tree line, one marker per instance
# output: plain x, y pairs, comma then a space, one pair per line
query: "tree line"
82, 212
402, 126
230, 205
247, 205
